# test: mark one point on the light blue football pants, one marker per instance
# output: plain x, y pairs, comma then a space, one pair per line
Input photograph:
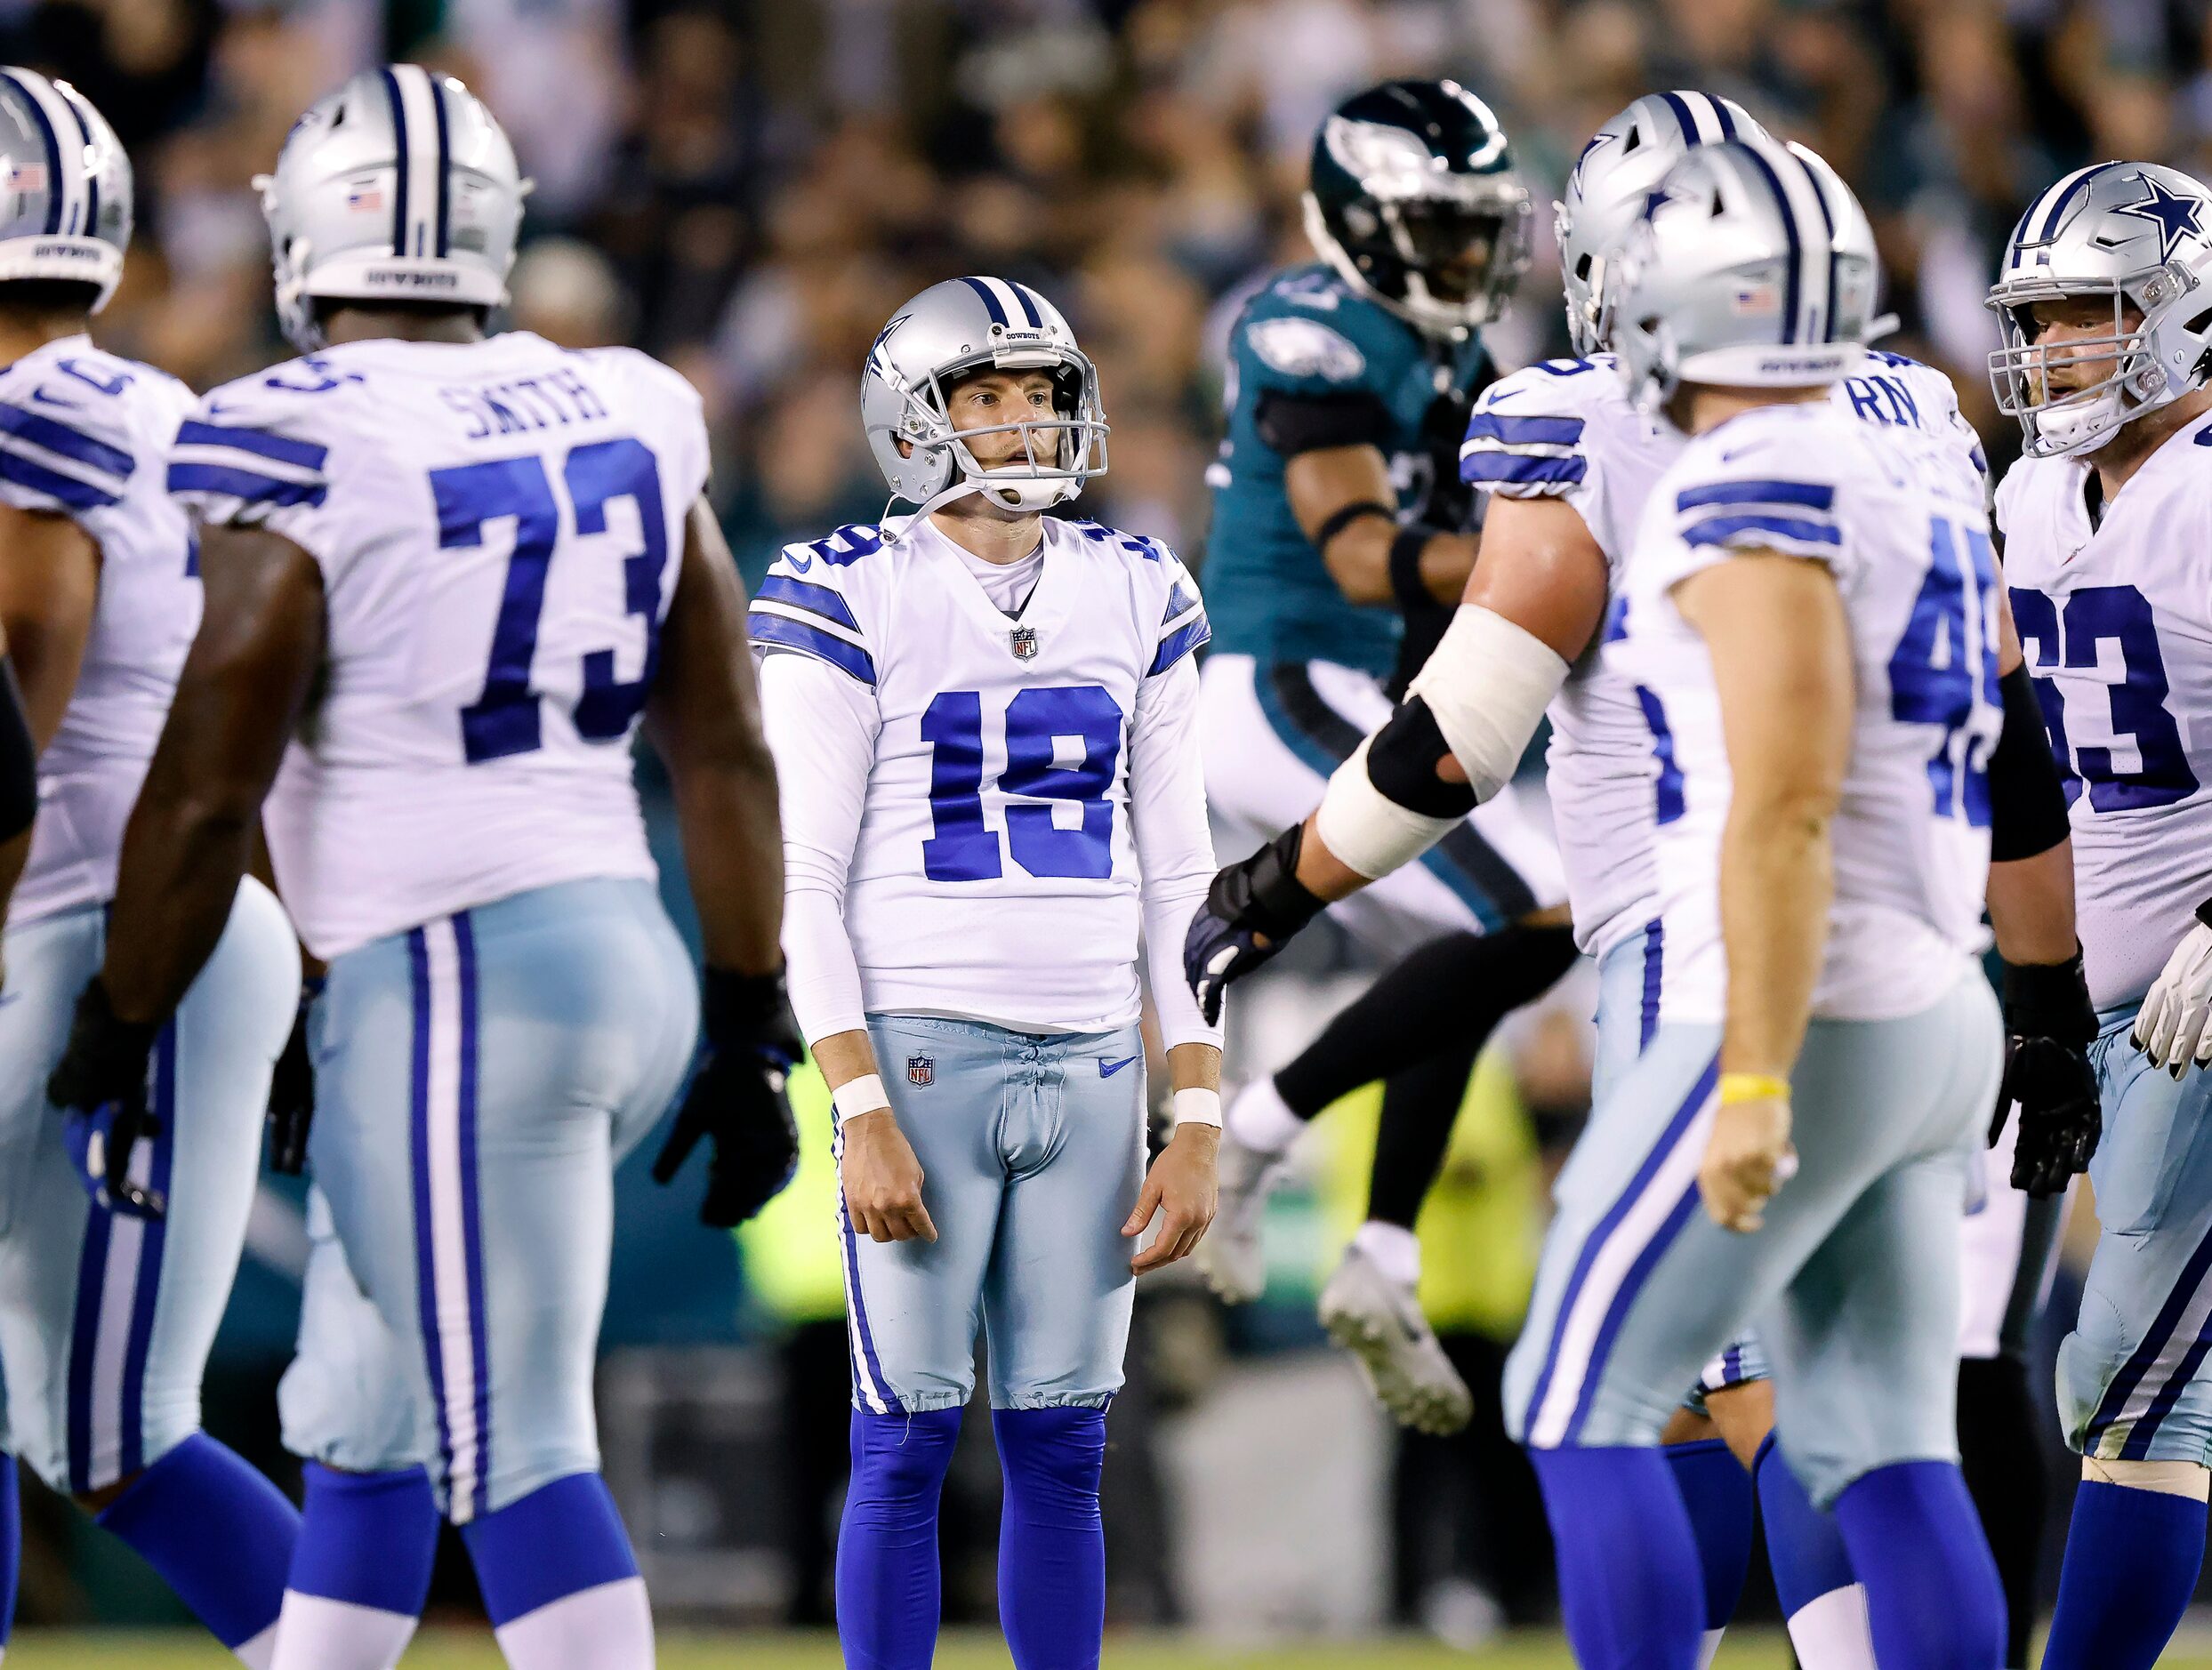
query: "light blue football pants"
105, 1319
1032, 1151
476, 1079
1853, 1281
2132, 1380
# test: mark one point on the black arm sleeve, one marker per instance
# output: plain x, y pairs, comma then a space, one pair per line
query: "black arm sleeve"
2027, 802
18, 759
1295, 423
1402, 763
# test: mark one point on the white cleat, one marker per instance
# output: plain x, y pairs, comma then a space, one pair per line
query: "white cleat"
1233, 1257
1379, 1321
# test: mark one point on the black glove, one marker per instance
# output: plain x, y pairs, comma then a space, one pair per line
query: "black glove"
100, 1084
2050, 1025
292, 1094
736, 1098
1258, 897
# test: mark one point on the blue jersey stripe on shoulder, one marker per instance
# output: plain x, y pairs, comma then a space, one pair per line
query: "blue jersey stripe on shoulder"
283, 448
1812, 495
782, 630
1720, 530
60, 437
249, 485
77, 494
1524, 431
816, 600
1179, 644
1519, 469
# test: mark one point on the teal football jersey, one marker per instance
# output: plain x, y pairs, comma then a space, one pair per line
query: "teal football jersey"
1308, 332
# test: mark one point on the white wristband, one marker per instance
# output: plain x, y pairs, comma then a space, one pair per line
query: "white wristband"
855, 1096
1198, 1107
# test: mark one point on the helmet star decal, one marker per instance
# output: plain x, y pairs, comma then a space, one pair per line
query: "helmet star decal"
2175, 215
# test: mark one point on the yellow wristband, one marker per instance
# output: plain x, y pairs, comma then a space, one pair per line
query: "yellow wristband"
1752, 1087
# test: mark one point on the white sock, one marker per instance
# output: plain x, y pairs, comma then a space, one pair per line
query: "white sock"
609, 1628
314, 1633
1831, 1633
1392, 1249
1710, 1646
1261, 1119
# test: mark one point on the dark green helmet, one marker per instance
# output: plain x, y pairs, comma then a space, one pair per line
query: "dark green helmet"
1415, 201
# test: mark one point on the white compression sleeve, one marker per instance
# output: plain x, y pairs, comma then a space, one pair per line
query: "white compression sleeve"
1488, 683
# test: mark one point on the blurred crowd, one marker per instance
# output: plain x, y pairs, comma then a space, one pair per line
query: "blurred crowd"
747, 188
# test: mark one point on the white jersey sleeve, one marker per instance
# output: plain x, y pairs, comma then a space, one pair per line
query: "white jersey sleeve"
1167, 808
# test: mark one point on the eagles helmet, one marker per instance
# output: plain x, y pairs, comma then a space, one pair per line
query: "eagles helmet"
1613, 179
1752, 265
65, 204
398, 187
2138, 235
947, 332
1414, 199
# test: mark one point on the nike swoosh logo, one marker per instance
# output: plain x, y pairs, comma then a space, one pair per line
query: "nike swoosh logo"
7, 997
39, 396
798, 566
1107, 1069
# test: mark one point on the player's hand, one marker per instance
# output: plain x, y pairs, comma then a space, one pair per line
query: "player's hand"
100, 1084
2050, 1025
291, 1093
2175, 1024
736, 1098
883, 1180
1748, 1158
1181, 1189
1251, 912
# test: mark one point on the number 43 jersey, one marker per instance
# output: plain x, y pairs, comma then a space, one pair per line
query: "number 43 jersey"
499, 526
2116, 623
979, 809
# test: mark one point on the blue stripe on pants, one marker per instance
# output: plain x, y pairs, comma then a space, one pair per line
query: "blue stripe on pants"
471, 1207
152, 1242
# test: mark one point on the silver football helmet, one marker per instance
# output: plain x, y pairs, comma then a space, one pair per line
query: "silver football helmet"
969, 325
2139, 235
398, 187
65, 200
1613, 179
1753, 265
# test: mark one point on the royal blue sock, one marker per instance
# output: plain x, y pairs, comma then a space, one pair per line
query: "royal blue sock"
1716, 1492
561, 1540
219, 1535
1933, 1598
367, 1538
1803, 1544
1629, 1578
2132, 1560
1051, 1541
888, 1594
11, 1546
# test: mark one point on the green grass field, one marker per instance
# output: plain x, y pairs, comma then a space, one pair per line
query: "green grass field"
38, 1650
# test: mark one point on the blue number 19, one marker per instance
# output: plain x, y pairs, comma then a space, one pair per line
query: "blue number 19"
963, 847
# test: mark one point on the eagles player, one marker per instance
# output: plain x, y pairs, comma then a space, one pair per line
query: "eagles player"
111, 1293
1569, 463
2106, 359
984, 718
1337, 512
447, 577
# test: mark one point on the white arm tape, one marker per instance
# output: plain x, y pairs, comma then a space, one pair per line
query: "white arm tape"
1366, 829
1198, 1107
863, 1095
1488, 683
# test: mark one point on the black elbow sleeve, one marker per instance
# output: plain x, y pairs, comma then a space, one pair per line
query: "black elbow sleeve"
2027, 800
1402, 763
18, 759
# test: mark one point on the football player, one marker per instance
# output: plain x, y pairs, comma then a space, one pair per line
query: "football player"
2107, 350
110, 1293
1341, 541
986, 722
1570, 463
448, 575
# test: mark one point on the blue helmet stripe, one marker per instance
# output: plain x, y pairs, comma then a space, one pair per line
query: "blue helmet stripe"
2064, 194
53, 152
1029, 307
399, 161
445, 164
1680, 106
1794, 285
1827, 220
990, 301
1727, 122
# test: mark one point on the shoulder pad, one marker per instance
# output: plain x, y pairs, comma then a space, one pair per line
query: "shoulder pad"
1738, 490
254, 440
1136, 544
1526, 433
74, 429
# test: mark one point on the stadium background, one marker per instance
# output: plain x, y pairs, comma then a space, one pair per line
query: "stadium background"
747, 190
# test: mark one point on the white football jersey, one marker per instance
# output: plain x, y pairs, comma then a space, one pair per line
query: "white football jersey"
995, 874
1897, 515
83, 434
1565, 429
499, 526
2116, 622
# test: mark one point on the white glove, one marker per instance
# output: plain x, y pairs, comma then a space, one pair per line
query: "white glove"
2175, 1026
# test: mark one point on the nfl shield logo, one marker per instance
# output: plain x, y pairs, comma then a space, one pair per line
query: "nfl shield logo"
921, 1070
1023, 639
